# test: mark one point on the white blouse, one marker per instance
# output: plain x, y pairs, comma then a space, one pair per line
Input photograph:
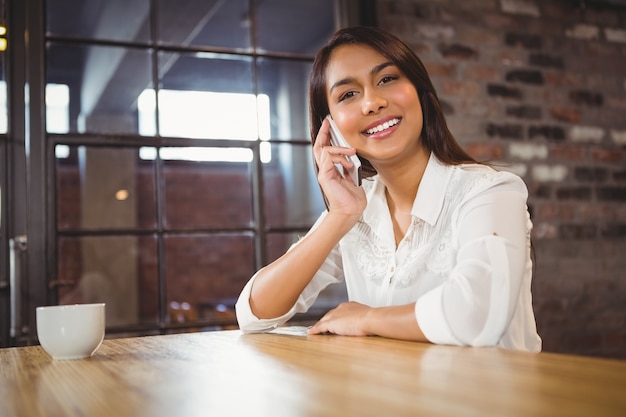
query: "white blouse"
465, 260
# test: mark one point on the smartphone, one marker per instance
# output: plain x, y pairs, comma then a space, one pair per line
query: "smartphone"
337, 139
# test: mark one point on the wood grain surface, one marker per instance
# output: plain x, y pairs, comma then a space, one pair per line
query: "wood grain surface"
228, 373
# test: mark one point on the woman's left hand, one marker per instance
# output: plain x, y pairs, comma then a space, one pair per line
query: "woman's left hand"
346, 320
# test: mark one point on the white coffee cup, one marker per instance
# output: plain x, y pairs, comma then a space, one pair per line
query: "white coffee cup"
71, 331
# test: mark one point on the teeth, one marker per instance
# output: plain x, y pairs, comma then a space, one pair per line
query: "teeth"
382, 126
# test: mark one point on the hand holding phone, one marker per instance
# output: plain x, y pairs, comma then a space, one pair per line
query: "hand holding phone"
337, 139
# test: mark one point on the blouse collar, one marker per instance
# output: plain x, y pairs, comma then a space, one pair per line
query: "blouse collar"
430, 194
432, 190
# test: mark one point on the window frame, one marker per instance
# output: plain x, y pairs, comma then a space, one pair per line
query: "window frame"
258, 229
28, 176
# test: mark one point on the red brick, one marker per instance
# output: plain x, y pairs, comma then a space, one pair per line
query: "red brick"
482, 151
611, 156
460, 88
498, 20
618, 102
482, 73
605, 16
566, 114
596, 211
558, 9
422, 49
457, 51
554, 211
568, 152
438, 69
601, 50
560, 79
512, 57
477, 35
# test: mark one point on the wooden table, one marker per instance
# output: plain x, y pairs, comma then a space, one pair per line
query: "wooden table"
227, 373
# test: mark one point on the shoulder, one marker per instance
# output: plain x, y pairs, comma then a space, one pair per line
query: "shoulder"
473, 179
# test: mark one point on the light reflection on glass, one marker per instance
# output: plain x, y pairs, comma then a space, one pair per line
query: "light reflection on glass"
185, 114
57, 108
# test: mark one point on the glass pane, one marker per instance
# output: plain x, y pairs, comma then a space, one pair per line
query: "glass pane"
206, 274
120, 271
204, 23
94, 193
286, 83
279, 243
292, 193
207, 98
294, 26
3, 208
206, 194
4, 124
104, 84
96, 19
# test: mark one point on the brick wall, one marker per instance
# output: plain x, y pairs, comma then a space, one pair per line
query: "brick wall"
540, 87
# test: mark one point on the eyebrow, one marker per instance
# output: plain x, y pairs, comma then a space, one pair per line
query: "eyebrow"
378, 68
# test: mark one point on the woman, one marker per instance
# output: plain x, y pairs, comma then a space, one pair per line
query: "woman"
433, 246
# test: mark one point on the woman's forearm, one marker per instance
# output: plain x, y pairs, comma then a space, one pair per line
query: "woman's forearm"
396, 322
277, 286
356, 319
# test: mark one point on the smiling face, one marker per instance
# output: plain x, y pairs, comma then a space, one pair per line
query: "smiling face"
374, 104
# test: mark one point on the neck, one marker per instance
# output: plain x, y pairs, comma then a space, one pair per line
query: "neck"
402, 181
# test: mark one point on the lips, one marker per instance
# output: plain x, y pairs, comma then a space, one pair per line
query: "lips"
381, 126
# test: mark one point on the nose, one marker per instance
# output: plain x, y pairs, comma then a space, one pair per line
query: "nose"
373, 102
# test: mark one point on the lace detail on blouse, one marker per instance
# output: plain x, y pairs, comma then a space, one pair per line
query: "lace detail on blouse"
442, 255
373, 257
433, 249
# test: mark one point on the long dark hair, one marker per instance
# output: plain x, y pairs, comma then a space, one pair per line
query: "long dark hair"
435, 134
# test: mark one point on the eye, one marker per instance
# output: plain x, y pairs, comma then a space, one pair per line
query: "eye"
387, 78
346, 95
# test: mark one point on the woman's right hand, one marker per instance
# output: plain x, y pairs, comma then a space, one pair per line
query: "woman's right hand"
278, 285
343, 196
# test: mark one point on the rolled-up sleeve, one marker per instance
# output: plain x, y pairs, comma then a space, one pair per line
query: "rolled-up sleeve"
330, 272
475, 305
